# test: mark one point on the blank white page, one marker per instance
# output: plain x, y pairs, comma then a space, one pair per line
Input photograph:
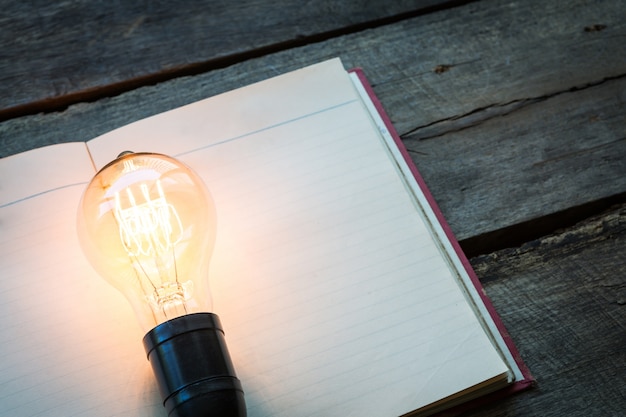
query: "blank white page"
334, 296
70, 345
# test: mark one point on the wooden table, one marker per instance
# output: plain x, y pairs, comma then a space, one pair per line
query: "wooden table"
514, 112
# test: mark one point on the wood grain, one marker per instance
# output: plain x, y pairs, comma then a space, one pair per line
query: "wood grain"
563, 300
557, 153
526, 120
57, 53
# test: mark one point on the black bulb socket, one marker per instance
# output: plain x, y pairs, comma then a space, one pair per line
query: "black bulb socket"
193, 368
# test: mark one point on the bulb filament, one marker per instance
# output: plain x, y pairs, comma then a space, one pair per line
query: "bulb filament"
150, 228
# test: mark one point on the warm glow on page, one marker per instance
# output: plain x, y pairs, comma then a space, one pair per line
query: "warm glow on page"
332, 291
71, 345
325, 276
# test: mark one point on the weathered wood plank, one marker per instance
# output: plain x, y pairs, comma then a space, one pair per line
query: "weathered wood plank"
527, 54
563, 300
547, 157
56, 53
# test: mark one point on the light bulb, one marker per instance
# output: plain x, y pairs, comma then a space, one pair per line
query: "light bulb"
147, 225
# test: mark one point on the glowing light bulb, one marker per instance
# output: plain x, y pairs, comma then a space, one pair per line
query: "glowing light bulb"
147, 224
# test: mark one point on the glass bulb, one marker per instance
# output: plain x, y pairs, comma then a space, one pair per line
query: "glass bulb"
147, 225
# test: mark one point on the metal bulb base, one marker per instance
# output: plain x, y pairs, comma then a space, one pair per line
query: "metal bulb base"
193, 369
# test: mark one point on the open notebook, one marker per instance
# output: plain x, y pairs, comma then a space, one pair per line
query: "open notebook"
339, 285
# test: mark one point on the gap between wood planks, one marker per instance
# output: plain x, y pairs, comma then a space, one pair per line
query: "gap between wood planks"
600, 227
61, 103
518, 234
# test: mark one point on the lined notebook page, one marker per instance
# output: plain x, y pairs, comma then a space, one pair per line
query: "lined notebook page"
333, 294
69, 345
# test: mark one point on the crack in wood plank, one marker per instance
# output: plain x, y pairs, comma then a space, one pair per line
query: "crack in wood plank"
480, 115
